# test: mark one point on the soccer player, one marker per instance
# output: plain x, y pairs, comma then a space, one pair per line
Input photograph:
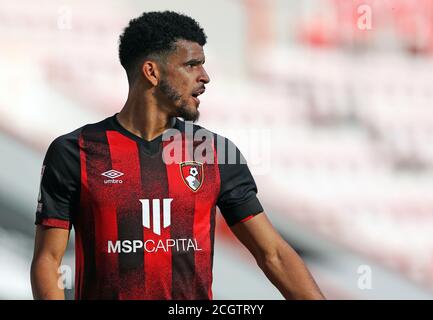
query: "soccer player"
143, 212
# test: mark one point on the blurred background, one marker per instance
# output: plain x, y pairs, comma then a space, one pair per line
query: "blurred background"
336, 95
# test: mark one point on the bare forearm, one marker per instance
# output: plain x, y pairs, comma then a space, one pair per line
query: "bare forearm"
44, 279
288, 273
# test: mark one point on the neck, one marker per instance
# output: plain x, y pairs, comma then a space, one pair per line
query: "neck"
141, 116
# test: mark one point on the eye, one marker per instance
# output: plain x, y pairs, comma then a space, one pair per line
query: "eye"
193, 64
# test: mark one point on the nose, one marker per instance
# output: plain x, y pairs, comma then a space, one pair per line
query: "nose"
204, 77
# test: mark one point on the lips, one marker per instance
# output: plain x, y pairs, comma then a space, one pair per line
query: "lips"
197, 93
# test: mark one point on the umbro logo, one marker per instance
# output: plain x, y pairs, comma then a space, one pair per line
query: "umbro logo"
112, 175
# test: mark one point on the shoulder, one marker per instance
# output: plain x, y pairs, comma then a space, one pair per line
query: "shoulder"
65, 143
70, 141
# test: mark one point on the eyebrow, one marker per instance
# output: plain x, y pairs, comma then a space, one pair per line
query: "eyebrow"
195, 61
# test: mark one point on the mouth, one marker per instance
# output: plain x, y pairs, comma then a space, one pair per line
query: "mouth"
196, 94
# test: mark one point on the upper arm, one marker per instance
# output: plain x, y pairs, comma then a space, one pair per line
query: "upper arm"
237, 199
60, 184
259, 236
50, 243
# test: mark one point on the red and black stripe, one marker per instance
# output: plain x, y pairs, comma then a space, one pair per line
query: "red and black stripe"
157, 265
125, 158
182, 222
96, 221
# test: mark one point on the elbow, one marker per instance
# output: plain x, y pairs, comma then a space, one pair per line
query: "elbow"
269, 260
43, 270
43, 262
43, 265
34, 269
285, 269
272, 257
44, 279
38, 268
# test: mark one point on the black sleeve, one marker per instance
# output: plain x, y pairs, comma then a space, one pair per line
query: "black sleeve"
237, 199
60, 182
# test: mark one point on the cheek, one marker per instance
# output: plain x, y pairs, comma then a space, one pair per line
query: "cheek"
181, 85
185, 79
182, 81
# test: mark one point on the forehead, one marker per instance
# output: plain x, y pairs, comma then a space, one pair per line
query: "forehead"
187, 50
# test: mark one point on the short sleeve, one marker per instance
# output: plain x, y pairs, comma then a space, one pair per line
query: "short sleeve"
237, 199
59, 185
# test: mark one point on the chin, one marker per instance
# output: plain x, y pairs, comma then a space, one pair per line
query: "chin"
193, 117
189, 113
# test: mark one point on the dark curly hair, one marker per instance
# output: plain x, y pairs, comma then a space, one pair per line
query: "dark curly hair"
153, 35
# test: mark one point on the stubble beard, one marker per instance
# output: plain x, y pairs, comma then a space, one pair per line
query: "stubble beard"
183, 111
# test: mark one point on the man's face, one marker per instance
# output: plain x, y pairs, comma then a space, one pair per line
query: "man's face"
183, 79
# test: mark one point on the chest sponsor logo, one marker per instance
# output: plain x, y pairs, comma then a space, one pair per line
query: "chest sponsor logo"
192, 174
157, 220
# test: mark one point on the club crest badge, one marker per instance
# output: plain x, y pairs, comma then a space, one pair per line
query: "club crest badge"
192, 174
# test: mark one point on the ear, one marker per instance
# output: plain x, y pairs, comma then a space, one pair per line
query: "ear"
151, 72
